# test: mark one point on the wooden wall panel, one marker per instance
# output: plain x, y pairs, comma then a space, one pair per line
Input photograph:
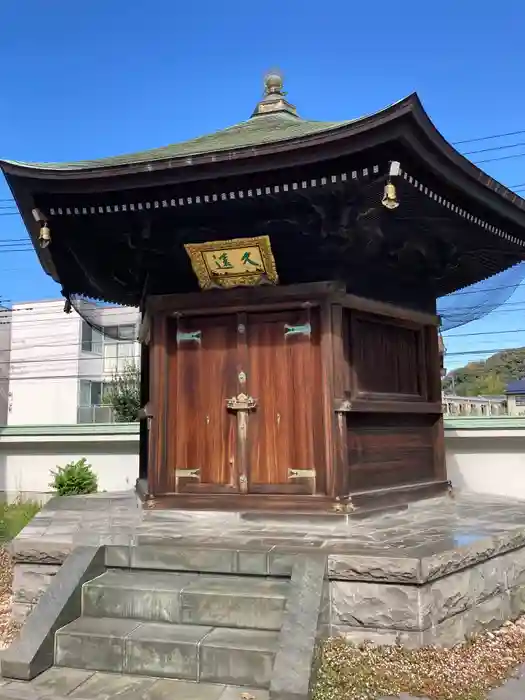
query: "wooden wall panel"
158, 398
394, 426
389, 450
387, 357
433, 363
201, 377
144, 425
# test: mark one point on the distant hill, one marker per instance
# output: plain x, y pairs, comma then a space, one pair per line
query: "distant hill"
488, 377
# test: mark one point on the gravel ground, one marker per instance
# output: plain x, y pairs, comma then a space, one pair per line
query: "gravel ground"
466, 672
8, 628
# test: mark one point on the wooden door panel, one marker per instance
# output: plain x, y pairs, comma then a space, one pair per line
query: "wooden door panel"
201, 432
285, 430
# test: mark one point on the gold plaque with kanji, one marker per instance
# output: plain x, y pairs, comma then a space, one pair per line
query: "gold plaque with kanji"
242, 262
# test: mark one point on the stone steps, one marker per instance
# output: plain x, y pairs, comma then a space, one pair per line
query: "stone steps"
196, 599
198, 627
224, 655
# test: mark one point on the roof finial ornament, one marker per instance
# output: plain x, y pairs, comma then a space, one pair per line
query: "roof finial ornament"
274, 96
273, 83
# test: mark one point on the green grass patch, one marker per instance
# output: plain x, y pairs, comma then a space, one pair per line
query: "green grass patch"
15, 516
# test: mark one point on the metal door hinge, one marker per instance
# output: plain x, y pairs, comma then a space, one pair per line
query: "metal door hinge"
193, 336
343, 406
187, 473
304, 329
301, 473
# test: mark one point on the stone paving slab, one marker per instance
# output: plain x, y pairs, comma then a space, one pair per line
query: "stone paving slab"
60, 683
421, 542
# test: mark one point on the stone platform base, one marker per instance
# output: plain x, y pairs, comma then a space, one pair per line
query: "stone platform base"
434, 572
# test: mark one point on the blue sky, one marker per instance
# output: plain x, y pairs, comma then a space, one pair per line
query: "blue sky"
90, 79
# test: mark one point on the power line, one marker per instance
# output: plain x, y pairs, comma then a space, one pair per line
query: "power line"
494, 148
469, 335
53, 320
79, 358
483, 351
94, 355
32, 323
486, 138
31, 346
23, 363
14, 240
87, 377
50, 317
75, 358
491, 160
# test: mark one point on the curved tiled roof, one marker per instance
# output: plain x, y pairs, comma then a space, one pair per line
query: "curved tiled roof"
257, 131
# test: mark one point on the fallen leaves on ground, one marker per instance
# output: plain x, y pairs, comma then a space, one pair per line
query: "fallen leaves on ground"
464, 672
8, 628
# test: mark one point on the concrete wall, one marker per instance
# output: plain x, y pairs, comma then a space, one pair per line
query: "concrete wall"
486, 455
28, 454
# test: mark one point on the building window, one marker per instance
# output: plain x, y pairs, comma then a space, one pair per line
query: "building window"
124, 332
91, 339
119, 348
91, 408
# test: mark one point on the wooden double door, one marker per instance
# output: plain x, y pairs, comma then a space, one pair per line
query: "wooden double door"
244, 411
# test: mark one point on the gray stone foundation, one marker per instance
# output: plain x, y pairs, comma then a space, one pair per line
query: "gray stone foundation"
433, 573
29, 582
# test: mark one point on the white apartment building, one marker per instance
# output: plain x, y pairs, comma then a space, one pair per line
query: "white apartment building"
59, 364
5, 353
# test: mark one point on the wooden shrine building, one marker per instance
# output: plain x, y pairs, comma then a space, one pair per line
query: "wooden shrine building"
287, 271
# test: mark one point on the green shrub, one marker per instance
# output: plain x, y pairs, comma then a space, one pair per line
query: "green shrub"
15, 516
74, 479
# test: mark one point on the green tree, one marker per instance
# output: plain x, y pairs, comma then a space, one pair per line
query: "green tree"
488, 377
123, 394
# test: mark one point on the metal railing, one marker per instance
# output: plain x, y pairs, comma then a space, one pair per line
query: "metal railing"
95, 414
